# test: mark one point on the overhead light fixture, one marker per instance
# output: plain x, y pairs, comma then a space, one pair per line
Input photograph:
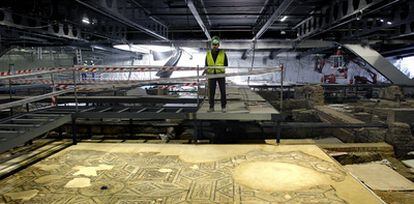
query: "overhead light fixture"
389, 22
156, 48
382, 20
283, 18
132, 48
190, 50
147, 49
85, 20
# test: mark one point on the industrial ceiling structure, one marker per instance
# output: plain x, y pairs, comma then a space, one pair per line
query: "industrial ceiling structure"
322, 91
387, 25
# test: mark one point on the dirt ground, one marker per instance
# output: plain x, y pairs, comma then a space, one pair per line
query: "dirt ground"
396, 197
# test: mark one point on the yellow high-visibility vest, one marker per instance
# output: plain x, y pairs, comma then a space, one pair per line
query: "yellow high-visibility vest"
218, 63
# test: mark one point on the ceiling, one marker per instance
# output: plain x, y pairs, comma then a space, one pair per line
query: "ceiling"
388, 25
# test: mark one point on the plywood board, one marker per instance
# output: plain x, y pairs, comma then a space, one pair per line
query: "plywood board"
232, 107
338, 116
380, 177
409, 163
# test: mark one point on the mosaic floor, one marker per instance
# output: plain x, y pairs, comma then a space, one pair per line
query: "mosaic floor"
151, 173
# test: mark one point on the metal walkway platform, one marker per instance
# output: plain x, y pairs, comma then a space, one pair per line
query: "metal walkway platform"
131, 112
242, 104
19, 129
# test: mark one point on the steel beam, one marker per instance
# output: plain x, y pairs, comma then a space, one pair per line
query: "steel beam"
333, 15
400, 51
241, 44
36, 73
399, 24
116, 51
131, 115
266, 22
11, 125
197, 16
125, 99
266, 44
294, 125
313, 51
205, 13
111, 10
64, 31
32, 99
274, 53
147, 12
30, 120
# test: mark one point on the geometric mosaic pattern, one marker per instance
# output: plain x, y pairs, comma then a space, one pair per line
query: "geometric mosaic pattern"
151, 178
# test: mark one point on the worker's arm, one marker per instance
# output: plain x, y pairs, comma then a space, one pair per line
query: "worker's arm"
226, 62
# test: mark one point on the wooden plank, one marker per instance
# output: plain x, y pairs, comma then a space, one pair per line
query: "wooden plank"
336, 115
381, 147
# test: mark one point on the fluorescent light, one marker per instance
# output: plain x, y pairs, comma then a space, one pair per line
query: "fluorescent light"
283, 18
85, 20
157, 48
143, 48
132, 48
190, 50
389, 22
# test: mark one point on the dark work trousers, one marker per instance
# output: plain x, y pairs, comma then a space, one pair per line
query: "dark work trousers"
212, 91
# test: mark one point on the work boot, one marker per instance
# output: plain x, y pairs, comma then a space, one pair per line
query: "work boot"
211, 109
223, 110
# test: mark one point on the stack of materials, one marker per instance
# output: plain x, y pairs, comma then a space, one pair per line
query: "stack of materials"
330, 115
312, 93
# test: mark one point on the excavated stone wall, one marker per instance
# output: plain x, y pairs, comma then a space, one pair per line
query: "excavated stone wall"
391, 93
399, 135
313, 93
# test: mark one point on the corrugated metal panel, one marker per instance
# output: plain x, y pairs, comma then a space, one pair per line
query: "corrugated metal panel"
379, 63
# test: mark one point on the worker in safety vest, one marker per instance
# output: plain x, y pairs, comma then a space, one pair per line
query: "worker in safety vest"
216, 58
